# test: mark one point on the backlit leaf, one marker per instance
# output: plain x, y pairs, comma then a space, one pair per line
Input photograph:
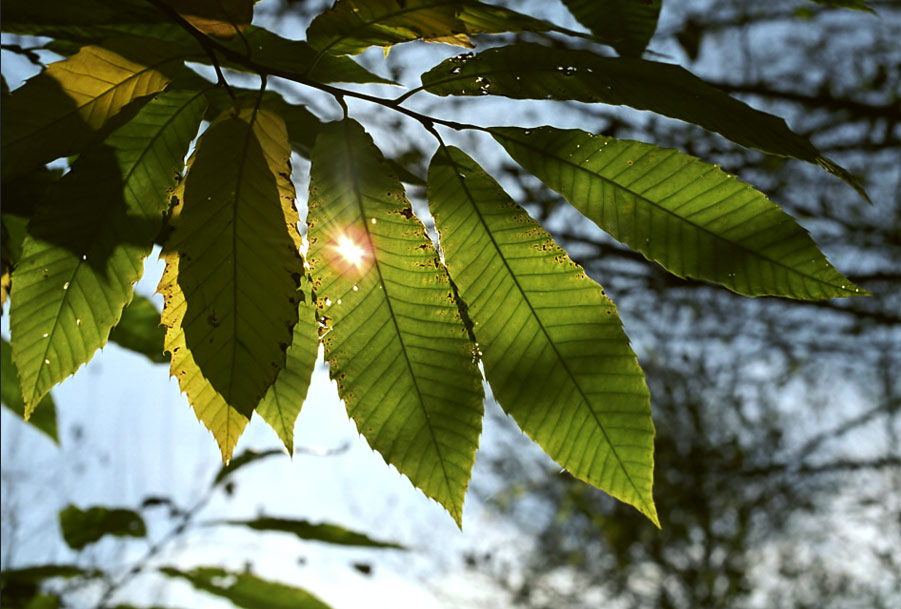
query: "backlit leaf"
75, 101
234, 234
139, 330
220, 18
531, 71
88, 239
44, 418
627, 25
247, 590
392, 333
282, 402
83, 527
691, 217
552, 343
224, 422
324, 532
352, 26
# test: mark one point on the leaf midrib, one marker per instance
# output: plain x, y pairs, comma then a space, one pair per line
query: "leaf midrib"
673, 214
544, 331
359, 198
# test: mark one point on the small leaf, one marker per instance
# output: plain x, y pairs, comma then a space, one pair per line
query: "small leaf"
247, 590
83, 527
531, 71
88, 239
235, 240
219, 18
324, 532
139, 330
392, 333
44, 418
74, 102
691, 217
245, 458
627, 25
551, 342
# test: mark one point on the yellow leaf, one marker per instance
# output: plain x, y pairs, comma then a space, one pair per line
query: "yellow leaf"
73, 102
219, 18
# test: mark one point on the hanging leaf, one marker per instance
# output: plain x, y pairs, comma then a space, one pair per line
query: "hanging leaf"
235, 237
44, 418
551, 342
139, 330
627, 25
88, 239
76, 101
247, 590
224, 422
392, 333
83, 527
282, 402
531, 71
219, 18
324, 532
691, 217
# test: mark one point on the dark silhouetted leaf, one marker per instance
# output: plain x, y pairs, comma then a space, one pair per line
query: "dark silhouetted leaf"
246, 590
83, 527
531, 71
327, 533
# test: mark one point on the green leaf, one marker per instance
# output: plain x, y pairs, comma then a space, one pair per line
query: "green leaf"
88, 239
393, 336
139, 330
235, 237
324, 532
224, 422
75, 102
282, 403
87, 21
627, 25
531, 71
351, 26
551, 342
297, 57
691, 217
247, 457
83, 527
37, 574
44, 418
247, 590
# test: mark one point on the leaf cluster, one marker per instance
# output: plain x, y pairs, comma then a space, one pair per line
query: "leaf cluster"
410, 329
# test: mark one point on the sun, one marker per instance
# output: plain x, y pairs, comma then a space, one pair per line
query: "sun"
350, 251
